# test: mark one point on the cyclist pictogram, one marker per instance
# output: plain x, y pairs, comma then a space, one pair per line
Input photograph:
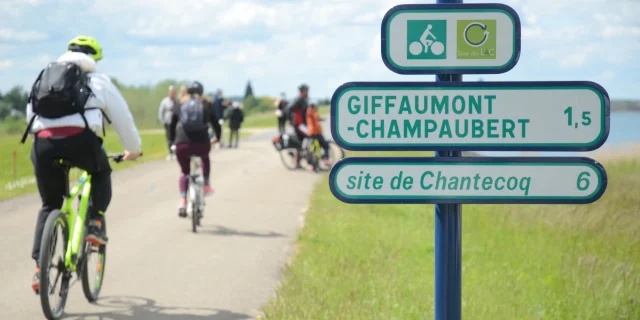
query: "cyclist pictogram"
437, 47
426, 39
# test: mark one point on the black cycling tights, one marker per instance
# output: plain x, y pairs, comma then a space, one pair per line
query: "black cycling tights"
85, 152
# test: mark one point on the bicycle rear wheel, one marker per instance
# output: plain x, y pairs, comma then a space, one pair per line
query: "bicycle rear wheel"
335, 154
196, 193
92, 284
54, 236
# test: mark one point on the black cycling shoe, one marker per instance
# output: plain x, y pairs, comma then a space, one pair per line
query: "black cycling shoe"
97, 235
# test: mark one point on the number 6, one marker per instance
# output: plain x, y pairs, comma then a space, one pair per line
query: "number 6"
582, 179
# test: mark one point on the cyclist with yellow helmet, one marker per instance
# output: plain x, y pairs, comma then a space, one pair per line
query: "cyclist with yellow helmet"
78, 137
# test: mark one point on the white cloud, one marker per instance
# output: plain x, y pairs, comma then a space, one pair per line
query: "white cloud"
608, 75
7, 34
529, 16
6, 64
603, 18
6, 48
528, 33
620, 31
580, 57
243, 14
43, 59
368, 17
14, 8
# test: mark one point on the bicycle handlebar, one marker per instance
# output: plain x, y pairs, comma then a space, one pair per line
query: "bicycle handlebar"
117, 157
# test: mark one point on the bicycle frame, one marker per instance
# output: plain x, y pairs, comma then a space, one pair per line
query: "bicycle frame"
76, 220
195, 183
314, 147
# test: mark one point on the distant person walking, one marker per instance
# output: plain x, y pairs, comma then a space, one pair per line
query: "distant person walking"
165, 112
219, 108
235, 117
182, 94
280, 105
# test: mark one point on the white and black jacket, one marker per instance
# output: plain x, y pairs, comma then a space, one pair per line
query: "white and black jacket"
105, 98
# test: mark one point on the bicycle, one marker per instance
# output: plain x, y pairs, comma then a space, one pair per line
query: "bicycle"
195, 204
310, 150
437, 47
76, 251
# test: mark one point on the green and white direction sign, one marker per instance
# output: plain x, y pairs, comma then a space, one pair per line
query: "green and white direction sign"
481, 116
453, 39
542, 180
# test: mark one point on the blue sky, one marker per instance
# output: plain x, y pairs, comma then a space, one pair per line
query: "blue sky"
278, 44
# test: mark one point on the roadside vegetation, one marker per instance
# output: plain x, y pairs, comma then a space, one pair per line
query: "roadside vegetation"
519, 261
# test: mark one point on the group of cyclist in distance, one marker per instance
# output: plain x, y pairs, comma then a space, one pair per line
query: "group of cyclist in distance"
305, 122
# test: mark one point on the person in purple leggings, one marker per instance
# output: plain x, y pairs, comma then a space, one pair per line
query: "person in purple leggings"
189, 132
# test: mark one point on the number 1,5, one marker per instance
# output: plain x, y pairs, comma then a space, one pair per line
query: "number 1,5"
586, 117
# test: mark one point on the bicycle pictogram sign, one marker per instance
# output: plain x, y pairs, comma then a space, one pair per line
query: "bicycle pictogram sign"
426, 39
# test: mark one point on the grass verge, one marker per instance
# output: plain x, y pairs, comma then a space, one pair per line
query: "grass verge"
519, 261
22, 181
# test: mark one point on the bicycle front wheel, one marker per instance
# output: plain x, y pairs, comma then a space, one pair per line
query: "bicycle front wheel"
93, 271
288, 157
194, 199
55, 237
194, 221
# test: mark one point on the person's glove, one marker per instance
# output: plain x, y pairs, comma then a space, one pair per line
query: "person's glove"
221, 121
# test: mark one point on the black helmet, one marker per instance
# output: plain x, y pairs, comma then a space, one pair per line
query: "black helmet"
195, 88
303, 87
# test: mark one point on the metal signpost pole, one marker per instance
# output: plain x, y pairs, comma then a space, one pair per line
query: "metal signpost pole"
448, 240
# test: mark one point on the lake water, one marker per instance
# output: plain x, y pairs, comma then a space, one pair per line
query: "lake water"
625, 127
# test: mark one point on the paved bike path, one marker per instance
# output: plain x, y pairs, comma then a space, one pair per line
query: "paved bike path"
156, 267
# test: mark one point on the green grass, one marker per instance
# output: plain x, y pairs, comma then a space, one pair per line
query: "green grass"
22, 181
269, 120
519, 261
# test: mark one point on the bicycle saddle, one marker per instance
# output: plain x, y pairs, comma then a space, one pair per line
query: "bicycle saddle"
62, 163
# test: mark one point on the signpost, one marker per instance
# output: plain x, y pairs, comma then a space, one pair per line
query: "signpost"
533, 180
442, 38
481, 116
449, 39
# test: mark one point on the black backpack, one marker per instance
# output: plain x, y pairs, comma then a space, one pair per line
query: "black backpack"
192, 116
61, 89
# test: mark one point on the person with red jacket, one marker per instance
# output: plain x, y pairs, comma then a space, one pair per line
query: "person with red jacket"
298, 116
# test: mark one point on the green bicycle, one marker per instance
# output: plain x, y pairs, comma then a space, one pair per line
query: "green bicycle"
314, 154
68, 229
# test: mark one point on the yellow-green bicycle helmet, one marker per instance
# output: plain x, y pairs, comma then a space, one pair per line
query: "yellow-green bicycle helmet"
87, 45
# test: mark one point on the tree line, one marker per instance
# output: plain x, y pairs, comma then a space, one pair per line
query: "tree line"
143, 101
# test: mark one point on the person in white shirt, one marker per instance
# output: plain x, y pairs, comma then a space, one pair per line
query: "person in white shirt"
79, 138
165, 112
